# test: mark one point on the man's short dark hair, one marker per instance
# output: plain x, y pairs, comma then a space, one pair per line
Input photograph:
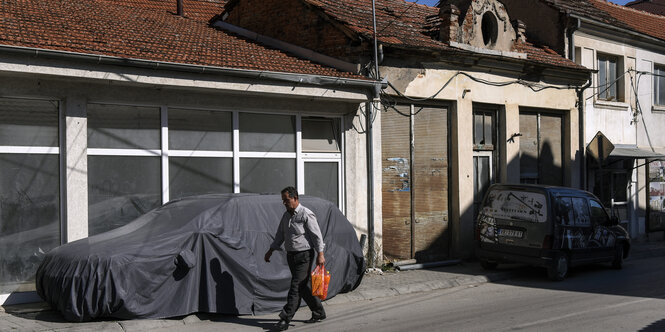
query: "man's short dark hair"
293, 192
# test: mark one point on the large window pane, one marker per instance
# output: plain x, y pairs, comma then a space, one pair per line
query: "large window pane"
123, 127
320, 135
200, 130
267, 133
321, 180
659, 86
478, 128
28, 122
266, 175
120, 189
196, 176
603, 87
29, 217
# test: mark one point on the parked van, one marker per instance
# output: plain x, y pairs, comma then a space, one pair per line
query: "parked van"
552, 227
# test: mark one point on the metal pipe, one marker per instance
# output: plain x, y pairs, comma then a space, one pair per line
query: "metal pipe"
428, 265
581, 139
370, 154
412, 179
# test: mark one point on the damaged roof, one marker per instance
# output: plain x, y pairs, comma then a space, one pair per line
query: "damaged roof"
410, 25
145, 30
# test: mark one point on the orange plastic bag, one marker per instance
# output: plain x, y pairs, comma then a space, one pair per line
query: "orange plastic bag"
320, 281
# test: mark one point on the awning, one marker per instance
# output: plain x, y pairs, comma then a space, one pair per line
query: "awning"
634, 152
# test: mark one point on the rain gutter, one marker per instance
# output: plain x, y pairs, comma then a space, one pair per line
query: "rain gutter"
318, 80
612, 27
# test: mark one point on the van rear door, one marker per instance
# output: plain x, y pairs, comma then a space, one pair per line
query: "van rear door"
515, 218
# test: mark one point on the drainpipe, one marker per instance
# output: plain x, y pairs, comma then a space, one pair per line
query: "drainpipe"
370, 150
570, 31
582, 147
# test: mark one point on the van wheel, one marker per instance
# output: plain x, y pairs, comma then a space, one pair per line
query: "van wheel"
487, 265
559, 268
617, 263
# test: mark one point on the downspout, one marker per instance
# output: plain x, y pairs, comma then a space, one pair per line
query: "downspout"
580, 103
582, 147
370, 151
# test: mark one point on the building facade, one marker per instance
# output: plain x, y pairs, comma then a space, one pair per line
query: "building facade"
100, 127
470, 101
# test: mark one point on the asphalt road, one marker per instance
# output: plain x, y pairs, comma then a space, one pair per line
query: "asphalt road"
594, 298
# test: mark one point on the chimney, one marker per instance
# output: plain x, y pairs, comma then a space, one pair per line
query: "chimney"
179, 8
520, 31
449, 15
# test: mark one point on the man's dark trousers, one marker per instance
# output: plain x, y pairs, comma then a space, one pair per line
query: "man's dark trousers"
300, 264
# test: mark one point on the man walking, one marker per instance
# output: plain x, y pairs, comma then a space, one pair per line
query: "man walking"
300, 233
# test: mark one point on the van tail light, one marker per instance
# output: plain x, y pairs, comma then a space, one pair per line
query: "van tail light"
547, 242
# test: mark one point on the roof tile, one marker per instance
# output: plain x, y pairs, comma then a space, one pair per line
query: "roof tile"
142, 29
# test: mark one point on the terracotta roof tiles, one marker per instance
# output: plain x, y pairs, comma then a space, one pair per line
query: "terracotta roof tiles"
140, 29
411, 25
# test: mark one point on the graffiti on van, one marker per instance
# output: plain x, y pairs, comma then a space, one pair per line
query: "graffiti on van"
516, 205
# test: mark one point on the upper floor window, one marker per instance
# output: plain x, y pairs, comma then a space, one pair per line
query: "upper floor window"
659, 85
609, 84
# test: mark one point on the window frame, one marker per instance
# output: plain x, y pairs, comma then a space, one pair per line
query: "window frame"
658, 90
604, 89
235, 153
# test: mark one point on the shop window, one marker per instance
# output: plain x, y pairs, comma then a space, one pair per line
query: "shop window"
659, 85
610, 83
29, 189
200, 130
320, 135
123, 127
266, 175
322, 180
124, 164
190, 176
267, 133
200, 152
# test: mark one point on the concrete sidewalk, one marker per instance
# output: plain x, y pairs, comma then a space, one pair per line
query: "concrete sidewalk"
39, 317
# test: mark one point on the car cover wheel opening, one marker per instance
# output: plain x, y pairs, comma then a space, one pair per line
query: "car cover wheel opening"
617, 263
559, 269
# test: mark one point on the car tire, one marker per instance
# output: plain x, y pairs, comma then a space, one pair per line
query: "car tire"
617, 263
558, 270
487, 265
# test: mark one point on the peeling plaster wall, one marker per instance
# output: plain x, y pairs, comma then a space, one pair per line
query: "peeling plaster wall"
462, 93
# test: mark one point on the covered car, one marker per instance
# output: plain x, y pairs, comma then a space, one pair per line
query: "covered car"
196, 254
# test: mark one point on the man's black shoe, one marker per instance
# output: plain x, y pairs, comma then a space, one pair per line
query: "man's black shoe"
315, 319
282, 325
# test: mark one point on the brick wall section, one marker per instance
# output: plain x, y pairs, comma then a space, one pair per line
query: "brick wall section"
294, 22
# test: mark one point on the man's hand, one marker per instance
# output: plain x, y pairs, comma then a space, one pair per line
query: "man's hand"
267, 256
320, 260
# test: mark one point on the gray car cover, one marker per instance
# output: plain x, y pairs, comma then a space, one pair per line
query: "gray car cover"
197, 254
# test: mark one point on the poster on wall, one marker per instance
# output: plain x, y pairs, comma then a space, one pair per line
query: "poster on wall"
656, 221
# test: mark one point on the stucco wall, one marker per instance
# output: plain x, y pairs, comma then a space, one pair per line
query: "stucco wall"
77, 86
462, 93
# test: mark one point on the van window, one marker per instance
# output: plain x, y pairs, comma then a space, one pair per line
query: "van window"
565, 211
598, 214
573, 211
516, 205
582, 212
